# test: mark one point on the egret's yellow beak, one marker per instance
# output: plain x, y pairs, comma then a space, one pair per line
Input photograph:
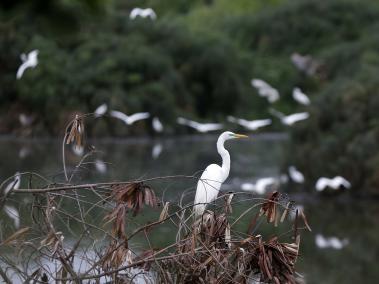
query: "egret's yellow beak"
240, 136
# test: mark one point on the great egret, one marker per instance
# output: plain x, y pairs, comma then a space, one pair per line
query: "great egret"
300, 97
260, 186
157, 150
295, 175
200, 127
101, 110
12, 213
212, 178
265, 90
144, 13
28, 61
100, 166
250, 124
14, 183
157, 125
289, 119
129, 119
331, 242
305, 63
334, 183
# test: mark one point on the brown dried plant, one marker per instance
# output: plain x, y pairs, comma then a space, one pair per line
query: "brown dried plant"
75, 132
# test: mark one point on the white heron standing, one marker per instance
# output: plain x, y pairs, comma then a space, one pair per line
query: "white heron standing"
250, 124
212, 178
129, 119
299, 96
28, 61
200, 127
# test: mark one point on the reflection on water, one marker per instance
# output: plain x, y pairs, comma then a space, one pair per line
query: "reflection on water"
337, 216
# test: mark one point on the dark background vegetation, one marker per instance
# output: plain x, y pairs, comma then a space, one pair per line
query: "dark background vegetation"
197, 60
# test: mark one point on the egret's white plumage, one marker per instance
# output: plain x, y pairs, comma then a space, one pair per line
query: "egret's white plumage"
101, 110
331, 242
200, 127
333, 183
250, 124
28, 61
260, 186
129, 119
157, 150
13, 184
300, 97
295, 175
157, 125
289, 119
265, 90
143, 13
12, 213
100, 166
214, 175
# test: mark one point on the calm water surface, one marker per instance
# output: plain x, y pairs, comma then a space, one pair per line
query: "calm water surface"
264, 156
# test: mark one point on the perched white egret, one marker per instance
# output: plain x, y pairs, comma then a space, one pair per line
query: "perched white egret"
144, 13
265, 90
331, 242
300, 97
129, 119
260, 186
305, 63
212, 178
101, 110
289, 119
100, 166
334, 183
295, 174
28, 61
200, 127
157, 125
250, 124
14, 183
13, 214
157, 150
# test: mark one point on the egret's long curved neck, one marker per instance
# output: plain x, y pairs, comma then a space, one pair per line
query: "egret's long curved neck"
225, 158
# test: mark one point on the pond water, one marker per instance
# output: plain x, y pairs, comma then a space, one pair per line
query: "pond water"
354, 221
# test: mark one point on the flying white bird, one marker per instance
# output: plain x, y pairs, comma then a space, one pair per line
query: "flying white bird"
200, 127
144, 13
295, 175
334, 183
212, 178
289, 119
250, 124
129, 119
300, 97
100, 110
157, 150
265, 90
28, 61
100, 166
14, 183
260, 186
305, 63
12, 213
157, 125
331, 242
